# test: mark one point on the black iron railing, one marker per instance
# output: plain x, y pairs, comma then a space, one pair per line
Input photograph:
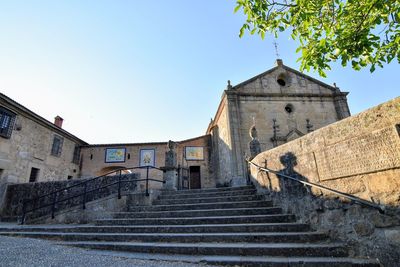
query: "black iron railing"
342, 194
84, 192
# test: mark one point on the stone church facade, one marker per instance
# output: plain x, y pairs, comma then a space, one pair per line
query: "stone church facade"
282, 103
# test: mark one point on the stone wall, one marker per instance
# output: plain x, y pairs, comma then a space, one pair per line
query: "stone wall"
222, 147
93, 159
297, 103
359, 155
207, 175
30, 147
17, 193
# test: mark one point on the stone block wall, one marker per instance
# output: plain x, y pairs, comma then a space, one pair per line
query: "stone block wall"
16, 193
30, 147
359, 155
222, 146
93, 159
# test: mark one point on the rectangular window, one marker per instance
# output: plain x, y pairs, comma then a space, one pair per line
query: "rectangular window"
1, 173
77, 155
34, 175
57, 146
7, 119
69, 177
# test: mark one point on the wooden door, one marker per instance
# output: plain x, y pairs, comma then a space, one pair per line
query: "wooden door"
195, 177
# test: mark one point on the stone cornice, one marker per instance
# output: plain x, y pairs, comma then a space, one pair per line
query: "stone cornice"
278, 95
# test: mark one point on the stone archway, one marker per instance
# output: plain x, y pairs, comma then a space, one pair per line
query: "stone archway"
109, 171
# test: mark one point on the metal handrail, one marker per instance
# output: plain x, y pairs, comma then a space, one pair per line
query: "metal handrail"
85, 191
380, 208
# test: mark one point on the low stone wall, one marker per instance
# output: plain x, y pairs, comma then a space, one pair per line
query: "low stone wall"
359, 155
16, 193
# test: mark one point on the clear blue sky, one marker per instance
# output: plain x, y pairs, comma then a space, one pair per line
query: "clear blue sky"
138, 71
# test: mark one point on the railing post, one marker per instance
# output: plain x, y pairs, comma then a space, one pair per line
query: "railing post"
23, 212
84, 196
119, 184
53, 207
179, 177
147, 181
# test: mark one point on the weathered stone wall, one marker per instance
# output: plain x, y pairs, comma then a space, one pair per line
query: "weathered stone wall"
30, 147
222, 146
319, 111
261, 100
93, 160
359, 155
16, 193
207, 175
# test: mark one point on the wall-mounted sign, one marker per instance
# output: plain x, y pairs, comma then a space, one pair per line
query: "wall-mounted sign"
115, 155
194, 153
147, 157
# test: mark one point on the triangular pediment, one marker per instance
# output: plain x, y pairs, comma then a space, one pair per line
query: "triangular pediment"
285, 80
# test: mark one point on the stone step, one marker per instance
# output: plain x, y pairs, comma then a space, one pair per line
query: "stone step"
274, 218
202, 206
209, 194
276, 237
204, 228
257, 261
208, 200
198, 213
236, 249
208, 190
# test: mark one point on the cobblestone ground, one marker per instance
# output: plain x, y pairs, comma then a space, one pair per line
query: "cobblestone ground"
18, 252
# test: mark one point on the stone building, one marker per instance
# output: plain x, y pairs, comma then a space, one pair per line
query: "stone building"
192, 154
33, 149
282, 102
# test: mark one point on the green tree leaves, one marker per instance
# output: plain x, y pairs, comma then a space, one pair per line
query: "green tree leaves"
361, 32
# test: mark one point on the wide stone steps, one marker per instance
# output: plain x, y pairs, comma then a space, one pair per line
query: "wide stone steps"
276, 237
257, 261
275, 218
242, 249
209, 194
224, 226
208, 200
198, 213
208, 190
202, 228
201, 206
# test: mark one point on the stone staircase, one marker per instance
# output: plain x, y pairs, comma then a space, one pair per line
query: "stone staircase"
224, 226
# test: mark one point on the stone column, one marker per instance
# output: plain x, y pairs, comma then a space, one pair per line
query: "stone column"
254, 144
170, 169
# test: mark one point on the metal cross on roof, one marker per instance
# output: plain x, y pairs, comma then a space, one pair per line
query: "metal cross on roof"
276, 49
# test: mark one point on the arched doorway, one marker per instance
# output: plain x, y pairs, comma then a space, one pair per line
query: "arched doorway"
112, 170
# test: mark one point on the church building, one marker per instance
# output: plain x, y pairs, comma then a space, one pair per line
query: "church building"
283, 104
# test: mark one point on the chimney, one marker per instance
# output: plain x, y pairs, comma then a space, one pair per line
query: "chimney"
58, 121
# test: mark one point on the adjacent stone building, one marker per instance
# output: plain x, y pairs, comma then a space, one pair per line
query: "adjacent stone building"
33, 149
283, 103
192, 154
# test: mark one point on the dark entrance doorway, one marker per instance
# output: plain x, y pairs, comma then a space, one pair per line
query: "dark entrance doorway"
194, 177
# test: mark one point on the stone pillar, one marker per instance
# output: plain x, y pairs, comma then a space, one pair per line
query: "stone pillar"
170, 169
254, 144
